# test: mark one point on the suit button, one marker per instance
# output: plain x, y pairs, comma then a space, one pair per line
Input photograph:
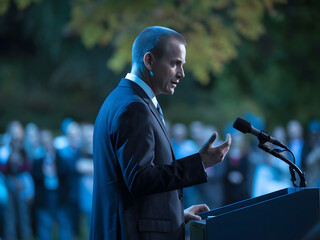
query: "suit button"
180, 196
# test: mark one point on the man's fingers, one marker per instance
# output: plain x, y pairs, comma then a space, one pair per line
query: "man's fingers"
229, 138
227, 142
205, 208
195, 217
213, 138
201, 208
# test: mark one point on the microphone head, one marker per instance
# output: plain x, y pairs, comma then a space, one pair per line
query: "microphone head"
242, 125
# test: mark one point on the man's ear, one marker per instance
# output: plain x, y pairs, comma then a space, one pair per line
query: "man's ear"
148, 60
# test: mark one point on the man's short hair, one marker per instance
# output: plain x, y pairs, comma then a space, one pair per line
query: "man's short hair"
153, 39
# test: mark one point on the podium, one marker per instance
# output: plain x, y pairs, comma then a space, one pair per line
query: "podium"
286, 214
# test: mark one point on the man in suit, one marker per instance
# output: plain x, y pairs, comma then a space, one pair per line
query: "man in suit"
137, 180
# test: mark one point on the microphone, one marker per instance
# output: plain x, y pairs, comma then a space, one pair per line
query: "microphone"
244, 126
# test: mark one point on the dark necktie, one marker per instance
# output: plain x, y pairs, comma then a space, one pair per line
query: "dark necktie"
160, 111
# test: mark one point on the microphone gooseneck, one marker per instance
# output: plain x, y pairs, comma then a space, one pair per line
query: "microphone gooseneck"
244, 126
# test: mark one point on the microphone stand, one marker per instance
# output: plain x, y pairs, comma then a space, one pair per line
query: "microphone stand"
292, 167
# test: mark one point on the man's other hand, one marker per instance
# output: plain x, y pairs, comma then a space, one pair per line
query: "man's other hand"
191, 212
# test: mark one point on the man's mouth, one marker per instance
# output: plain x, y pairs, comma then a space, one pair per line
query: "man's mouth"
175, 83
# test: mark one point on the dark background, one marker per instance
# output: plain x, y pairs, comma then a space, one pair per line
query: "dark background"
61, 58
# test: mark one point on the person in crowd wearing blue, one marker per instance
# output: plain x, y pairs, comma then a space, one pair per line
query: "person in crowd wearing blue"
16, 168
70, 153
85, 170
51, 200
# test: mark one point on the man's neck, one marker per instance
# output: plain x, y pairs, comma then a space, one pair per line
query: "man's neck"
143, 85
143, 75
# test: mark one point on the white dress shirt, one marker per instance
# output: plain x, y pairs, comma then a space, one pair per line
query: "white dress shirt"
144, 86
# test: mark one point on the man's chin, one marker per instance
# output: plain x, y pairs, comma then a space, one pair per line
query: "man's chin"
171, 91
168, 92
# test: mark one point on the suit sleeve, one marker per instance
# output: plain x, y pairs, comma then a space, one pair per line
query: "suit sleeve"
135, 148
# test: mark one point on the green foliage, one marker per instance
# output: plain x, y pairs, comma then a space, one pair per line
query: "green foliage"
213, 29
4, 6
278, 75
21, 5
45, 72
276, 78
62, 58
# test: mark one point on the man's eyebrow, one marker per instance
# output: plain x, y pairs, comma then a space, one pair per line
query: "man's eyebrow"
178, 60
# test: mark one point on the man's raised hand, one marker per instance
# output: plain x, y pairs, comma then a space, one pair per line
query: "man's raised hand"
211, 155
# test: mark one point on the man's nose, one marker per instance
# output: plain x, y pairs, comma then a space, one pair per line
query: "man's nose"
180, 73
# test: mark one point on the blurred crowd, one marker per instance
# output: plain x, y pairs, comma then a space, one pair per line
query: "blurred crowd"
46, 181
247, 170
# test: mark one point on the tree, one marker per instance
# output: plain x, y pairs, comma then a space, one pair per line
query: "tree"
241, 59
21, 5
213, 29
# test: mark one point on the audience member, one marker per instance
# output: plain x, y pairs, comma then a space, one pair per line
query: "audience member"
236, 175
52, 205
313, 158
182, 147
212, 192
16, 167
272, 174
4, 197
70, 154
196, 128
297, 143
32, 142
61, 141
85, 169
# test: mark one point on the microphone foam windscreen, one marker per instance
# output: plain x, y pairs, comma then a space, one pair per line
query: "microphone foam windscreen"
242, 125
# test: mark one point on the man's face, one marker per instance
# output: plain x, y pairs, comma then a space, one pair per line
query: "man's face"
168, 70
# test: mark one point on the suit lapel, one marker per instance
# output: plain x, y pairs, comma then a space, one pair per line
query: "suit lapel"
127, 83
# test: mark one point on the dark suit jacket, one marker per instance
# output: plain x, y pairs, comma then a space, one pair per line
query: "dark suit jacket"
137, 181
